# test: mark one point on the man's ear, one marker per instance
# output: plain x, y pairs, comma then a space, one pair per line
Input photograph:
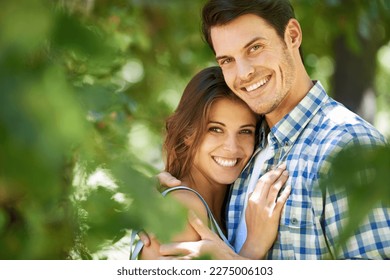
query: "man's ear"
293, 33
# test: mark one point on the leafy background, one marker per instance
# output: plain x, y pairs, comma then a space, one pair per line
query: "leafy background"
86, 85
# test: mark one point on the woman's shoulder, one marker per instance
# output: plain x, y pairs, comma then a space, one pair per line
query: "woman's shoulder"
190, 199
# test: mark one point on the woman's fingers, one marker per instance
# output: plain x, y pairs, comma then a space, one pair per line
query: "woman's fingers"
275, 188
273, 179
281, 200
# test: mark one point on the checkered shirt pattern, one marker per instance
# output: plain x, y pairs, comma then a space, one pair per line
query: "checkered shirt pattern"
305, 139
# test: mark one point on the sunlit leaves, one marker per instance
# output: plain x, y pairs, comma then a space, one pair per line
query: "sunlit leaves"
88, 87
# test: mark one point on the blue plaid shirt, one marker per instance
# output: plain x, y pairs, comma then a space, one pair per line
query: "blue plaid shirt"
311, 221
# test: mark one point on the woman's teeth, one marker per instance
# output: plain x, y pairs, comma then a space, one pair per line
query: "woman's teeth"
225, 162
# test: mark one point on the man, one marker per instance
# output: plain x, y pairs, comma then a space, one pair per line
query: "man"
257, 45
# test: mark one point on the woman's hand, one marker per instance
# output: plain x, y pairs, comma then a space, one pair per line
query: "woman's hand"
263, 213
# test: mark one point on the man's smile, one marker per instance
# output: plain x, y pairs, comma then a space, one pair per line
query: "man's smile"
257, 85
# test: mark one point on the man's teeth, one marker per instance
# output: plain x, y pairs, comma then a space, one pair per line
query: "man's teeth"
225, 162
257, 85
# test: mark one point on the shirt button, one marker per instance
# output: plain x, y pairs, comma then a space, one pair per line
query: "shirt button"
294, 221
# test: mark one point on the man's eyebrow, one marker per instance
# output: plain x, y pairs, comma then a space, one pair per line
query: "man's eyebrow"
253, 40
246, 45
221, 57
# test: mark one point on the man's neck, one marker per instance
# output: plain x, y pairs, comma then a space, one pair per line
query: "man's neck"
291, 100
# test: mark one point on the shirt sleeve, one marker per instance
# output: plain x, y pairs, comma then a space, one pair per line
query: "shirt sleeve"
371, 238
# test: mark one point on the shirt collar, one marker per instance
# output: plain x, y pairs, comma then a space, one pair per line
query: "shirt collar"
287, 130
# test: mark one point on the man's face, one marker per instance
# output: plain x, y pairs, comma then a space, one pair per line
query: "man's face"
256, 63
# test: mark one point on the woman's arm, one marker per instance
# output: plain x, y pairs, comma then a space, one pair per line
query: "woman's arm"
191, 201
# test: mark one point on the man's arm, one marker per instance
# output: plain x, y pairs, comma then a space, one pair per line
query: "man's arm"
371, 239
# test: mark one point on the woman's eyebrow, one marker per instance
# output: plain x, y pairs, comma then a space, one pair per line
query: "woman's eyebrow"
216, 122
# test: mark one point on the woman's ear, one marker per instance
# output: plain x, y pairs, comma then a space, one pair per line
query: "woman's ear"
293, 33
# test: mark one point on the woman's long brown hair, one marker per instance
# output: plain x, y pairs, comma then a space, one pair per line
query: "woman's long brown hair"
186, 127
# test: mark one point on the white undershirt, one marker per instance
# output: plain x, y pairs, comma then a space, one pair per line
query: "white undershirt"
241, 231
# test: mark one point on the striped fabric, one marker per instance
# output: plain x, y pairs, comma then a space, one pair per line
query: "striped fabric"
314, 130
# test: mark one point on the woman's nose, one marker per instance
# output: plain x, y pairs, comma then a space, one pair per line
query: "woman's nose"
231, 143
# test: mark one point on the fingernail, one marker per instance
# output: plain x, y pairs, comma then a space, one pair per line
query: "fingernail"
283, 165
285, 173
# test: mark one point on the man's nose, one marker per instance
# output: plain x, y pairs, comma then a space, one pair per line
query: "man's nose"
244, 69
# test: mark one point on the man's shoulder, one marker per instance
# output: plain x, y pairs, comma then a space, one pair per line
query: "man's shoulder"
334, 121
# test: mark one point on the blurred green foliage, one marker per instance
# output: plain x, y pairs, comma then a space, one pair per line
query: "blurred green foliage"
66, 111
85, 87
362, 172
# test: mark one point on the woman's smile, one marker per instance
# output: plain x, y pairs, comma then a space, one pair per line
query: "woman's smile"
225, 162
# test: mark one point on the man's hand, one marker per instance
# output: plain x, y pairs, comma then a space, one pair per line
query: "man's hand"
211, 244
151, 252
167, 180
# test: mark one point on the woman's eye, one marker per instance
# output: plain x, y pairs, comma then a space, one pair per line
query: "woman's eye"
246, 131
215, 129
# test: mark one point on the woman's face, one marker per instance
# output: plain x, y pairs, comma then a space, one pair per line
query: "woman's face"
228, 142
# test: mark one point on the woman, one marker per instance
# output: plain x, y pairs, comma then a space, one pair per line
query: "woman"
209, 140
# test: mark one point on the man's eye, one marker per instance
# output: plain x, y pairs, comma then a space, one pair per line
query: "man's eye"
226, 61
255, 48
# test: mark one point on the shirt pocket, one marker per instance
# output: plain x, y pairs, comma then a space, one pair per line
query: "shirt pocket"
298, 214
297, 232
